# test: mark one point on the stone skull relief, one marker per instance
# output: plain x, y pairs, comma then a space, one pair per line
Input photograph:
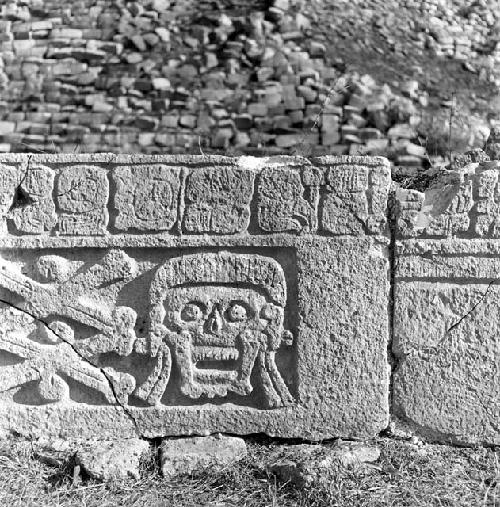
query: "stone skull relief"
219, 330
215, 319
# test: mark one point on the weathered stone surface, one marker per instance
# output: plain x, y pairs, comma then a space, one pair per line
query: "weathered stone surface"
82, 196
32, 210
187, 455
446, 340
281, 198
355, 200
117, 459
460, 203
308, 465
447, 382
189, 295
146, 197
218, 200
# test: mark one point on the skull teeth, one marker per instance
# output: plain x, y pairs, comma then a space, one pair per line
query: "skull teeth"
215, 353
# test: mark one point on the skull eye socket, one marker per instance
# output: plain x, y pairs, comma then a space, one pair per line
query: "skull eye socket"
192, 312
237, 312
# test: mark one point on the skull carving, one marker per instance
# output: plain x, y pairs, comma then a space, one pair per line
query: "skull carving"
221, 315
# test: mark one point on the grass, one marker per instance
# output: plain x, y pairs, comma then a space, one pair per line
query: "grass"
405, 475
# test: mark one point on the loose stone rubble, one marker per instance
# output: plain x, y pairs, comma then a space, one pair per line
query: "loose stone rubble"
111, 460
164, 77
157, 296
187, 455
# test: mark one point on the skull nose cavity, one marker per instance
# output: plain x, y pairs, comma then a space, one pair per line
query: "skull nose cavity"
215, 321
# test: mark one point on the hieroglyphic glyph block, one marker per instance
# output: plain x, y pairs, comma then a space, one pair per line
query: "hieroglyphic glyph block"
288, 199
146, 197
446, 298
82, 196
26, 198
187, 295
37, 214
10, 178
217, 200
355, 199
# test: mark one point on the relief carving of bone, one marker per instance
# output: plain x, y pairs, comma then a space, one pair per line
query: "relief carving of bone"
218, 318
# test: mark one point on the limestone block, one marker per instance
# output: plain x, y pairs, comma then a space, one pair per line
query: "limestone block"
163, 296
108, 460
288, 140
187, 455
7, 127
446, 340
447, 377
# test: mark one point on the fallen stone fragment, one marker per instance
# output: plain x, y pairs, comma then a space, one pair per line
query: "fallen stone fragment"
163, 33
305, 465
401, 130
415, 150
186, 455
7, 127
160, 83
119, 459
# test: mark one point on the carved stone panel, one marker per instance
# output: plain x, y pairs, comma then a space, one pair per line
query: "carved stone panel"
180, 315
446, 326
446, 339
103, 195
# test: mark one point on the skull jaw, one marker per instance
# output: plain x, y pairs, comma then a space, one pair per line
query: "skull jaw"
214, 381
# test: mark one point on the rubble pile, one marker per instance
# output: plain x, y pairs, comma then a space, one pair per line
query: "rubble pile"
165, 76
464, 30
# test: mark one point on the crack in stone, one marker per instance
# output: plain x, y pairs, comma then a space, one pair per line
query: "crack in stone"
353, 212
393, 360
125, 409
21, 197
459, 321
